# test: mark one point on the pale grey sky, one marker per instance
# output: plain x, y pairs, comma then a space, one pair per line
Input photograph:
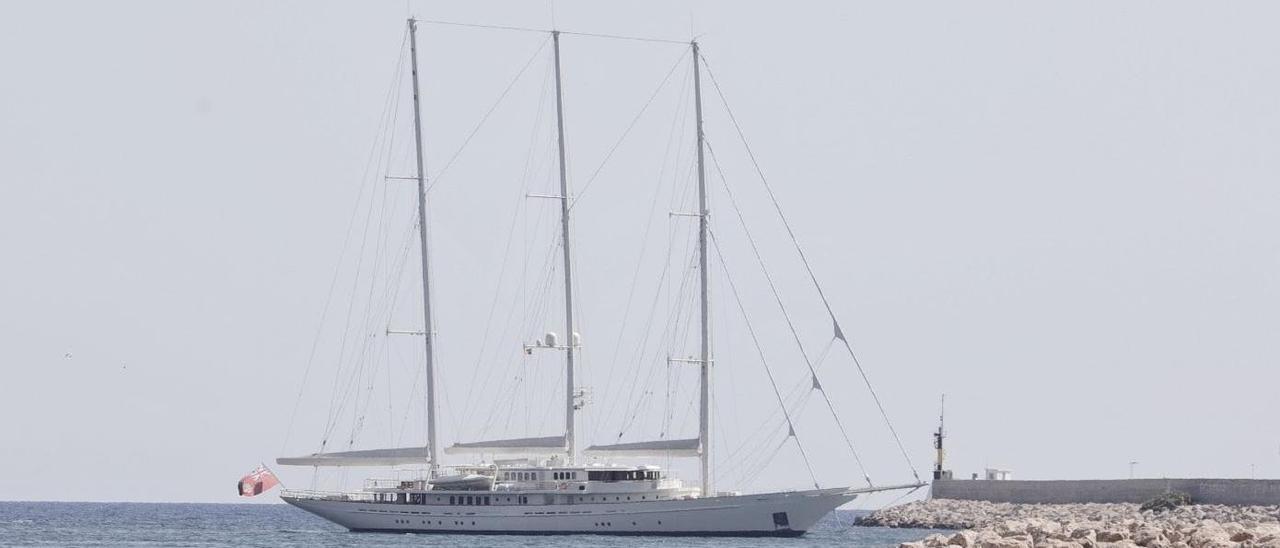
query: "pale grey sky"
1063, 215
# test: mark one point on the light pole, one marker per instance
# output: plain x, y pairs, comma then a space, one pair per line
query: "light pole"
1132, 463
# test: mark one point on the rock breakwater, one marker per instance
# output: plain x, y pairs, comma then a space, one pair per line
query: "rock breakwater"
1003, 525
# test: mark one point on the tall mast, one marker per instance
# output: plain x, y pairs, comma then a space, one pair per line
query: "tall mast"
428, 327
704, 404
571, 346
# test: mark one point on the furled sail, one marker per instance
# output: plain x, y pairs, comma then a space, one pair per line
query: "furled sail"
367, 457
670, 448
517, 446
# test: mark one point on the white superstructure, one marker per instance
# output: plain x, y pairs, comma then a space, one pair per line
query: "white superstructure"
550, 490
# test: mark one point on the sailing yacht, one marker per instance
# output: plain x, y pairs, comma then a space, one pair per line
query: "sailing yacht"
546, 485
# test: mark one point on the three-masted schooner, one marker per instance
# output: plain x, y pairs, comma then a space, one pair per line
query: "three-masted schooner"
552, 491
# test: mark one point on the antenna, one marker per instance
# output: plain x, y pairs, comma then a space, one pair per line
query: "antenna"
938, 437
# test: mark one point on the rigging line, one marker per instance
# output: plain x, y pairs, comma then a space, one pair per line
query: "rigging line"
440, 174
809, 268
640, 352
413, 390
359, 358
375, 309
671, 338
493, 306
646, 333
822, 356
778, 297
333, 282
657, 191
760, 350
520, 214
563, 32
347, 327
627, 131
550, 266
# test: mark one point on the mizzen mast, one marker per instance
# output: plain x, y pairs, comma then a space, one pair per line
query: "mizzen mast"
428, 326
704, 400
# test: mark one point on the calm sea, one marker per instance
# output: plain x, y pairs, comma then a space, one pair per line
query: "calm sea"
126, 524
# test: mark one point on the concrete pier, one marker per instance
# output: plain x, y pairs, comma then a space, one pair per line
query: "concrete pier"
1234, 492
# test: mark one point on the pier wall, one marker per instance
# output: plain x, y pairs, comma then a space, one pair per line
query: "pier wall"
1236, 492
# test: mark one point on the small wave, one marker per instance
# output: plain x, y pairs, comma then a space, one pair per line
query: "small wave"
303, 531
20, 522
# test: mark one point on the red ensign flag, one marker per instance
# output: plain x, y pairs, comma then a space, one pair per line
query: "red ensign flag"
259, 481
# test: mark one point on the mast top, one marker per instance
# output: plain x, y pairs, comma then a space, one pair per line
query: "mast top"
552, 30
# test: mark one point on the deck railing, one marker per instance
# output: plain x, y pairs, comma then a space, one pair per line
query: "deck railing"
328, 495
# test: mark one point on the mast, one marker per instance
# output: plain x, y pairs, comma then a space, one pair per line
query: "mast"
571, 346
704, 404
428, 327
938, 438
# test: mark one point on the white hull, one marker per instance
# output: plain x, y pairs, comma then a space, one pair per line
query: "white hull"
770, 514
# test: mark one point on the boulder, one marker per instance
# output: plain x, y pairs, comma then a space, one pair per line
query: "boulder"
1005, 542
936, 540
964, 539
1150, 536
1210, 534
1112, 536
1057, 543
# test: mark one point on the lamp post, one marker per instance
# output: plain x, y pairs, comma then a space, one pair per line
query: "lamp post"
1132, 463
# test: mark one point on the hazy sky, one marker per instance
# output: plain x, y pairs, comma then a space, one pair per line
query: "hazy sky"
1062, 215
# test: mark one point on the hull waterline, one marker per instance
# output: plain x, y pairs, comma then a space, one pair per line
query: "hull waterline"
787, 514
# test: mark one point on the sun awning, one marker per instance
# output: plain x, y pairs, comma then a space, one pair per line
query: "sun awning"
670, 448
366, 457
517, 446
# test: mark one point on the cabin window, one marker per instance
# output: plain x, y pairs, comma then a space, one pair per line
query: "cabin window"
486, 500
451, 500
615, 475
469, 501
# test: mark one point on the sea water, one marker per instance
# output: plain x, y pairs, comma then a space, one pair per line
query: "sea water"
130, 524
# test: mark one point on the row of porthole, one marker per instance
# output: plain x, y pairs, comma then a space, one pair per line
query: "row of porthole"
606, 499
424, 522
610, 523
